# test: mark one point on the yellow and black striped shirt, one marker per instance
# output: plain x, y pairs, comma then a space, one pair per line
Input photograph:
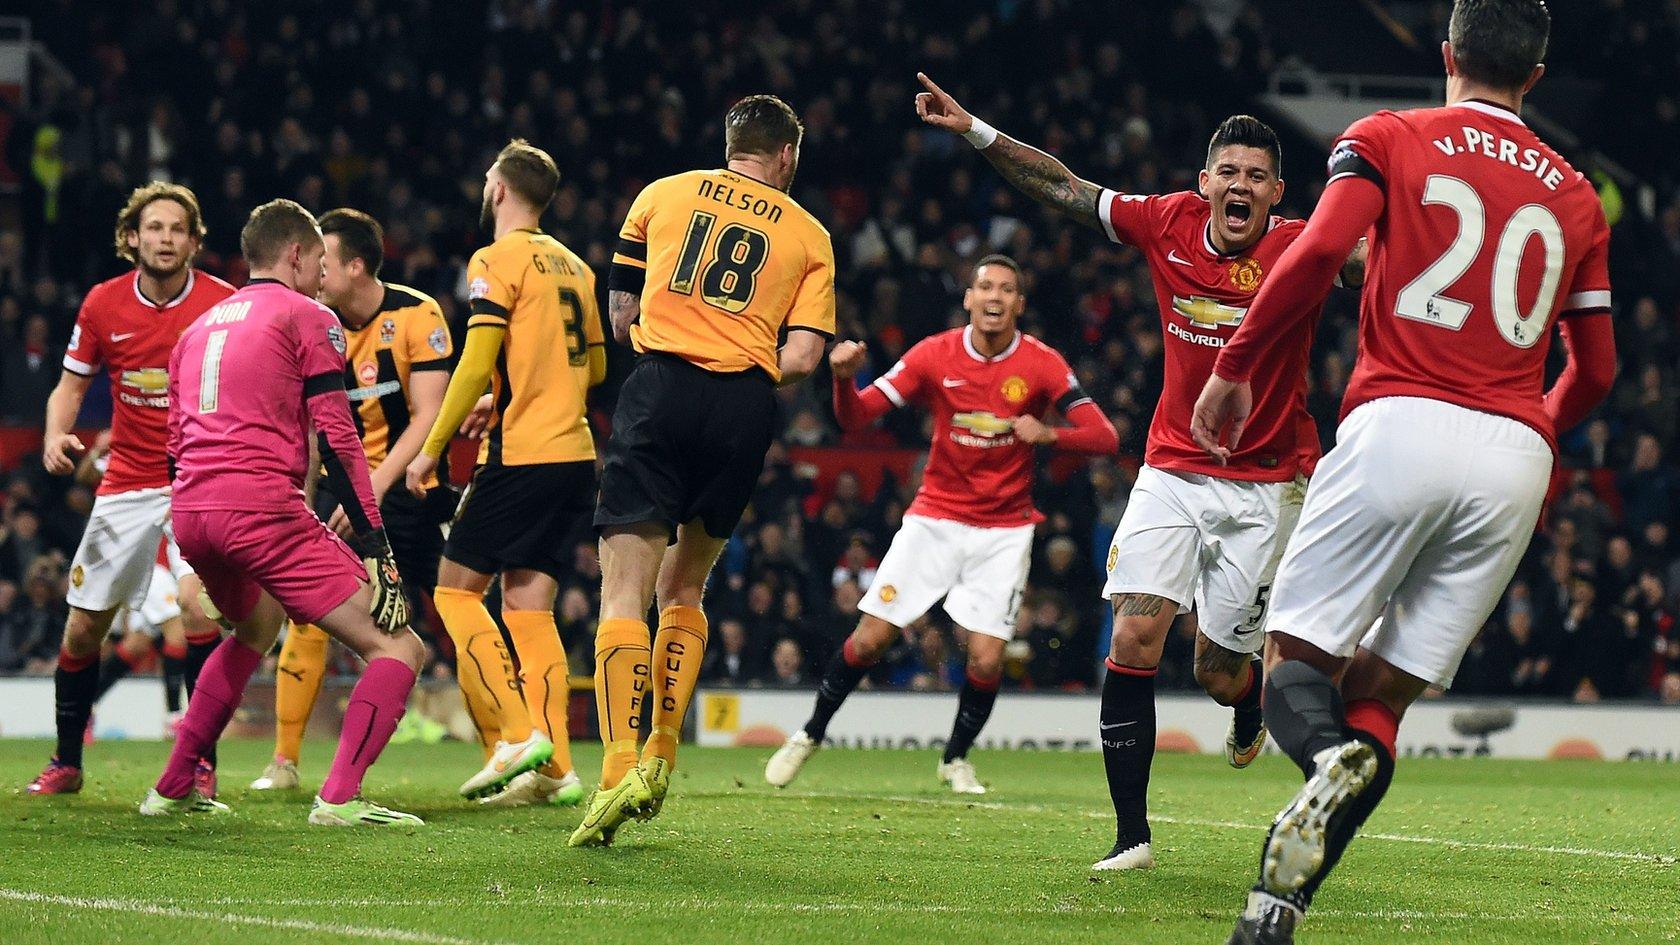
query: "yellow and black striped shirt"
407, 334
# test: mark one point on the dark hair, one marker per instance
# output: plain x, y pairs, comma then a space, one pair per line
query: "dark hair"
359, 237
760, 124
996, 259
1499, 42
1247, 131
128, 220
274, 226
529, 172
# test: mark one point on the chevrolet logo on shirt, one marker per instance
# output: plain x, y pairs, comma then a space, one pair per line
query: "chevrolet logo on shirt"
1207, 313
151, 380
983, 423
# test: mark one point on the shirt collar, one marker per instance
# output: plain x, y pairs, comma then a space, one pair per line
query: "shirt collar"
181, 296
1489, 108
973, 352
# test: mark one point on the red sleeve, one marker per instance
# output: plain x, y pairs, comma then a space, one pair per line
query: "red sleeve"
1589, 290
908, 378
84, 356
1133, 219
1091, 432
1590, 342
857, 409
322, 358
1302, 278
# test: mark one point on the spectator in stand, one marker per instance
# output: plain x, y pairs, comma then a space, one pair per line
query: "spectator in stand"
727, 662
1650, 489
36, 623
787, 664
28, 370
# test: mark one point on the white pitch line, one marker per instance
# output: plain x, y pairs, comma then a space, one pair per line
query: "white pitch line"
1628, 855
135, 907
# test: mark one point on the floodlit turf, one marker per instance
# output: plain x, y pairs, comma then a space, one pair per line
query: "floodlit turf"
864, 847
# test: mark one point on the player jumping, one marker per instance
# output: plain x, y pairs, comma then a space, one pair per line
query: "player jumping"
534, 337
397, 363
967, 536
1194, 531
126, 327
248, 380
711, 266
1483, 236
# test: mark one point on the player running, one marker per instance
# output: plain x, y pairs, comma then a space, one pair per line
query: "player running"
967, 536
1483, 235
248, 381
711, 266
397, 363
1195, 531
126, 327
534, 338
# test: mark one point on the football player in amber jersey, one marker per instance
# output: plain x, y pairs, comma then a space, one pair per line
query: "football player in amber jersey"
126, 328
1484, 238
397, 365
712, 269
534, 337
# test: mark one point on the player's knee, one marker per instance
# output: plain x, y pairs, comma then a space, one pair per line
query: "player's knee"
1135, 643
1223, 685
985, 665
84, 631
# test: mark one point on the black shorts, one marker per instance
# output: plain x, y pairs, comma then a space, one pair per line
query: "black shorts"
686, 444
414, 527
523, 517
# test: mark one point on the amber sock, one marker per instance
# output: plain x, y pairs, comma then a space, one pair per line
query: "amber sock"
297, 684
678, 650
543, 678
484, 668
621, 685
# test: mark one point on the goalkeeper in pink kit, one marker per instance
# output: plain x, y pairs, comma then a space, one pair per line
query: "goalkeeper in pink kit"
247, 382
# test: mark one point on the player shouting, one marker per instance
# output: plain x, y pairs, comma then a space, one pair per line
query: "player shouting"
126, 327
1483, 236
967, 536
248, 381
1195, 531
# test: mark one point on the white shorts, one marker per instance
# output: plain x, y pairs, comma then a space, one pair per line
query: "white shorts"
1213, 542
160, 605
979, 571
114, 562
1420, 515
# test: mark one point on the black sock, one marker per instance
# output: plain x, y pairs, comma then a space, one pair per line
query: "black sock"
197, 653
174, 680
111, 671
1247, 709
1126, 728
842, 677
1303, 712
73, 695
974, 707
1344, 826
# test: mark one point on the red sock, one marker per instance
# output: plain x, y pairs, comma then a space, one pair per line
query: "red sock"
376, 705
1374, 719
220, 684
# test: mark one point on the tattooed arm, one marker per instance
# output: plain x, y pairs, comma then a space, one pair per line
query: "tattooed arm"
623, 308
1034, 173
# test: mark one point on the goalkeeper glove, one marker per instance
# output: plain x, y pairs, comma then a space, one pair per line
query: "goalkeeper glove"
389, 607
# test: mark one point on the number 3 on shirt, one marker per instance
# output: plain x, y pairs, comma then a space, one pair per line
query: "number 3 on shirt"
210, 378
730, 279
1422, 300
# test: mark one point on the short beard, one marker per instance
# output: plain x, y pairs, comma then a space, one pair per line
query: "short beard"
487, 217
163, 275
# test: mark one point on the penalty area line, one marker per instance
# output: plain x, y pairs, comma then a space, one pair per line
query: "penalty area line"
136, 907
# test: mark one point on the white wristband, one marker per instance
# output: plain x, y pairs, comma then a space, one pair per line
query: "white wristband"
981, 135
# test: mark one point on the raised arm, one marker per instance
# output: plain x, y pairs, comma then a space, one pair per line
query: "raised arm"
1031, 171
854, 409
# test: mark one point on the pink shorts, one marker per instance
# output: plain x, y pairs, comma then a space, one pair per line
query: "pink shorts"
291, 555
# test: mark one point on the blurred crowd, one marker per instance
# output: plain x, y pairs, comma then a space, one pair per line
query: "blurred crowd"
351, 104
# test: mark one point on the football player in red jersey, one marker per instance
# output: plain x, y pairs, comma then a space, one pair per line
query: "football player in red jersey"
1195, 531
126, 327
1484, 238
967, 536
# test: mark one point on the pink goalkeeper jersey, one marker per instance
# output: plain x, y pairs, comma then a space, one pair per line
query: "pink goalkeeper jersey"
246, 382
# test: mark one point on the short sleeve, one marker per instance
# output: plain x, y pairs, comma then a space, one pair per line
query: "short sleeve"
1065, 391
907, 379
629, 260
813, 304
1363, 150
321, 347
1132, 219
84, 356
427, 339
1589, 290
490, 290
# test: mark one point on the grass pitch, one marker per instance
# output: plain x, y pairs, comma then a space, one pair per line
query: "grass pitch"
865, 847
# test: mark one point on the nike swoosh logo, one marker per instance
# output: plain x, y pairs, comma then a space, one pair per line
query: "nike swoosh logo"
122, 337
1116, 725
948, 382
1173, 256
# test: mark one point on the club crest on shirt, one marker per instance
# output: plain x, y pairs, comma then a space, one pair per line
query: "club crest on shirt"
1113, 556
1015, 389
387, 331
1245, 275
77, 575
367, 373
888, 593
438, 340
